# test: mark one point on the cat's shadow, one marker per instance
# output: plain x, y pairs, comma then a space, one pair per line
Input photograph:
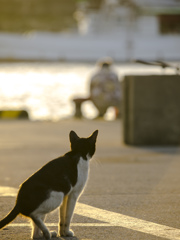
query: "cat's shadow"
66, 238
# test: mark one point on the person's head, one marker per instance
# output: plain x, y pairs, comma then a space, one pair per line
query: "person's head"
105, 62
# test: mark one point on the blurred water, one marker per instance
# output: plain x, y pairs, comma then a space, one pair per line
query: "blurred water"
46, 90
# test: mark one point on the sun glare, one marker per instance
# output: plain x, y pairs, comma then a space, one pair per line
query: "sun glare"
44, 90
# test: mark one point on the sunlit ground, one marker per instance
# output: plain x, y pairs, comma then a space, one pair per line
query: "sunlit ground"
8, 192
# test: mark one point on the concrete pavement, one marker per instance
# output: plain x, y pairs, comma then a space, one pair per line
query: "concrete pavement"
132, 192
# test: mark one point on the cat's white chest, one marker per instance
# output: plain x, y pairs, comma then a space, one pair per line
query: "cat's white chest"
83, 170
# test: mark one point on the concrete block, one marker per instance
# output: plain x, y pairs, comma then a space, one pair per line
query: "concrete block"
151, 110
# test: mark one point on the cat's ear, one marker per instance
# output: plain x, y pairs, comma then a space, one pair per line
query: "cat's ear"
73, 136
93, 137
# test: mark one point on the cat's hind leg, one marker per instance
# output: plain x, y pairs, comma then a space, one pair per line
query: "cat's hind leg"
38, 223
36, 231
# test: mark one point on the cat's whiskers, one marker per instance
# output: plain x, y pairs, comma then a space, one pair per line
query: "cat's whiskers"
96, 162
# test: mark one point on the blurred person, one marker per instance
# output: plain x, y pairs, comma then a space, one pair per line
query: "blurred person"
105, 89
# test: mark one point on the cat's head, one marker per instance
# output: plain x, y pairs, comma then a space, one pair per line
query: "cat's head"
84, 146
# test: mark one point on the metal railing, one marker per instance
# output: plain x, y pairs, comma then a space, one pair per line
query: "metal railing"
160, 64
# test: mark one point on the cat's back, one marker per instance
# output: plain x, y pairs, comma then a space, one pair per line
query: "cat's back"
55, 171
58, 175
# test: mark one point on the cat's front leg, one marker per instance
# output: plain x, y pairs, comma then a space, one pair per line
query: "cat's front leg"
72, 199
62, 215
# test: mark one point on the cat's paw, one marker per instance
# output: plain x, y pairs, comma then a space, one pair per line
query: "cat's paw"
47, 235
53, 234
37, 235
69, 233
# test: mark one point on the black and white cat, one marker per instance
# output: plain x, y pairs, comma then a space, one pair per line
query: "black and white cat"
58, 183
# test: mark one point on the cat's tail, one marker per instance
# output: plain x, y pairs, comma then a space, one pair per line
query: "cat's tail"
10, 217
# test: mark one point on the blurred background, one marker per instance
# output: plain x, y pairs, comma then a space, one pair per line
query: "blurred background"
49, 49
